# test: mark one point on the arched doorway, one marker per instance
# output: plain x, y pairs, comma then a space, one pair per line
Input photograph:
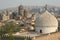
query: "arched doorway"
40, 31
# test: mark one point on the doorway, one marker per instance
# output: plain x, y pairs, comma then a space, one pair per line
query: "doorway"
40, 31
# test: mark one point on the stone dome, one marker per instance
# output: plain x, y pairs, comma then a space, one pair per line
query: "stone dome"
46, 20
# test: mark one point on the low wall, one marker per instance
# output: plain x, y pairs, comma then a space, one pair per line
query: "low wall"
5, 37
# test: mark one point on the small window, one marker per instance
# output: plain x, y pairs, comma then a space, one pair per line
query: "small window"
40, 31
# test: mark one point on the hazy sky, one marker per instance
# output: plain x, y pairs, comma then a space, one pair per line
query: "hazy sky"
14, 3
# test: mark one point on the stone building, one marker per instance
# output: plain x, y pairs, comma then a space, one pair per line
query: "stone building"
46, 23
5, 17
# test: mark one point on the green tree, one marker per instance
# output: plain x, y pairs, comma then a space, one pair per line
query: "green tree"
26, 38
11, 36
9, 27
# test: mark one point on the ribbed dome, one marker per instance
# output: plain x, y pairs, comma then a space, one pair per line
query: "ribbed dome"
46, 20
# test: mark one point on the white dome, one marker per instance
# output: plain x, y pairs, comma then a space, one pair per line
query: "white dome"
46, 20
46, 23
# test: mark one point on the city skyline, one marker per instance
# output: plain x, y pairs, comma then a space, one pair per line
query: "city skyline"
14, 3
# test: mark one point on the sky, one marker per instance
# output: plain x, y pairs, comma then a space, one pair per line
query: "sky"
15, 3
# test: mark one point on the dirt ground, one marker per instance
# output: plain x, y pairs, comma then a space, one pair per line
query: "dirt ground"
53, 36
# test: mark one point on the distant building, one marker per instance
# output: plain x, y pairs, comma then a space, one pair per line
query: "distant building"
21, 10
1, 17
13, 15
5, 17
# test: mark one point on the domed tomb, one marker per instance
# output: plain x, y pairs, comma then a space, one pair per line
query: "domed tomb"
46, 23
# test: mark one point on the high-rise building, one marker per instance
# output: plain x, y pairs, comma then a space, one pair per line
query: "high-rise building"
21, 10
